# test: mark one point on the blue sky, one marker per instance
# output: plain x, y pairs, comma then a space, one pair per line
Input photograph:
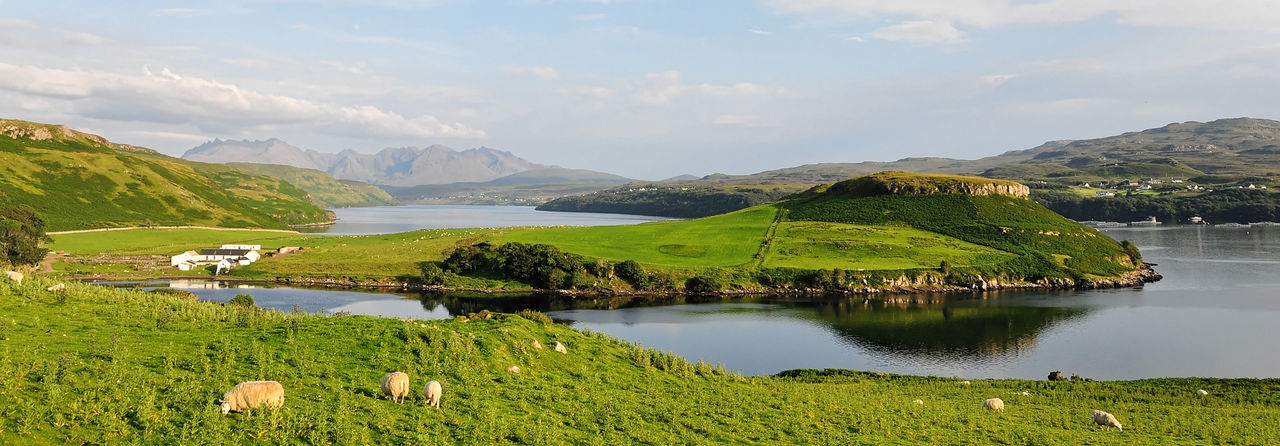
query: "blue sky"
643, 88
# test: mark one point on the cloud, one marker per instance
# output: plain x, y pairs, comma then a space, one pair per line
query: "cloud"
927, 32
997, 79
1250, 15
176, 12
540, 72
167, 97
854, 39
760, 32
663, 88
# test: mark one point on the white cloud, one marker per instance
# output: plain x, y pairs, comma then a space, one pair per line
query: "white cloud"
176, 12
540, 72
759, 32
997, 79
928, 32
1252, 15
166, 97
663, 88
854, 39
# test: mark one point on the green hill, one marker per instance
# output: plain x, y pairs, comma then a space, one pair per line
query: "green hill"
81, 181
888, 225
322, 189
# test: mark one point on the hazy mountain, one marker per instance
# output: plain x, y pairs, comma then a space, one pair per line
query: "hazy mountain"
405, 166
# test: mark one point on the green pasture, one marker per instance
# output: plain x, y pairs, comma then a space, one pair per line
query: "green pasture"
822, 245
95, 365
731, 239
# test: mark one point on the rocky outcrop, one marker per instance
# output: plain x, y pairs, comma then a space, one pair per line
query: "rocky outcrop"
909, 183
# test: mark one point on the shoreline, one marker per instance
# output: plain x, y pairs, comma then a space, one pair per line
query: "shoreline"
1145, 274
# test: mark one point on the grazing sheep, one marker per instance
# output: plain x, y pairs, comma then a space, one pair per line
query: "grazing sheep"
396, 385
995, 404
58, 287
1025, 393
252, 394
1106, 419
921, 402
513, 369
1055, 375
15, 276
964, 382
432, 393
1202, 392
561, 348
537, 345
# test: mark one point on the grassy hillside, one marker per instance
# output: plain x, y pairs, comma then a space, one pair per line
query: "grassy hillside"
531, 187
880, 229
81, 181
322, 189
102, 366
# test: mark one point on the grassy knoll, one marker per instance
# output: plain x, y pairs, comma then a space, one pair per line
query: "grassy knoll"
724, 240
321, 188
79, 181
822, 245
98, 365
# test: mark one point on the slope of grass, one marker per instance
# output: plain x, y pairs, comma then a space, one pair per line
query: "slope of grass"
822, 245
322, 189
80, 181
724, 240
106, 366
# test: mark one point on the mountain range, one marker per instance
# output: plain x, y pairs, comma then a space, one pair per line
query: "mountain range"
400, 167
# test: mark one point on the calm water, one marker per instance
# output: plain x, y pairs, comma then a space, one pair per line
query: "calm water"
391, 219
1212, 315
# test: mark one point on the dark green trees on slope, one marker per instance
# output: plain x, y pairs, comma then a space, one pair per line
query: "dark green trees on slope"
21, 232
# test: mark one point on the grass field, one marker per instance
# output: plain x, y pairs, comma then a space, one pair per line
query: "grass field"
97, 365
821, 245
731, 239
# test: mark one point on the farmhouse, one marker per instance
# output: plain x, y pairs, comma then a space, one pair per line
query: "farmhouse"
225, 257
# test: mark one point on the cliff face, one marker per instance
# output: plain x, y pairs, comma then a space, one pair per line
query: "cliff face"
908, 183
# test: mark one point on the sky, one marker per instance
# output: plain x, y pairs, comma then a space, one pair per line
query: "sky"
647, 89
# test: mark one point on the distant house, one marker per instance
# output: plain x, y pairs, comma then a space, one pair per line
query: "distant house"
185, 261
225, 257
1105, 193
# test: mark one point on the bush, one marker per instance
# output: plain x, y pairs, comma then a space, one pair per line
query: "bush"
432, 274
242, 300
631, 272
535, 316
21, 231
701, 284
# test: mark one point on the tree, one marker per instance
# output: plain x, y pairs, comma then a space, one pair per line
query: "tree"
21, 232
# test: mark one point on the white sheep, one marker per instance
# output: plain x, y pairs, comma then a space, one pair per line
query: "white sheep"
964, 383
396, 385
15, 276
1202, 392
561, 348
537, 345
514, 369
1106, 419
919, 402
251, 395
59, 287
432, 393
995, 404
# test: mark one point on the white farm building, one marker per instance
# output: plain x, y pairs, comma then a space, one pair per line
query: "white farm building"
226, 256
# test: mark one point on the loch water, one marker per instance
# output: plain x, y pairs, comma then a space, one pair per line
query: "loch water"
1213, 315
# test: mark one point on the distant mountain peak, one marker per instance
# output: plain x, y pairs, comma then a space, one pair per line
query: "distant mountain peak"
392, 166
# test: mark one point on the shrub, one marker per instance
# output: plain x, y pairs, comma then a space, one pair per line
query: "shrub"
535, 316
242, 300
432, 274
702, 284
631, 272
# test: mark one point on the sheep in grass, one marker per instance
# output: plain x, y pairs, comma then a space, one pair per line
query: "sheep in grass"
432, 393
995, 404
561, 348
15, 276
396, 386
1202, 392
59, 287
1106, 419
252, 395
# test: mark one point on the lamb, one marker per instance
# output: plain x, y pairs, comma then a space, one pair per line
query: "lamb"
396, 385
995, 404
15, 276
59, 287
561, 348
964, 383
514, 369
252, 394
537, 345
1106, 419
432, 393
1202, 392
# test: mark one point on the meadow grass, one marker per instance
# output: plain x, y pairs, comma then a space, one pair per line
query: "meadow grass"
99, 365
731, 239
821, 245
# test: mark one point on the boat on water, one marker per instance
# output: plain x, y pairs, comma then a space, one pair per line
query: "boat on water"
1150, 221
